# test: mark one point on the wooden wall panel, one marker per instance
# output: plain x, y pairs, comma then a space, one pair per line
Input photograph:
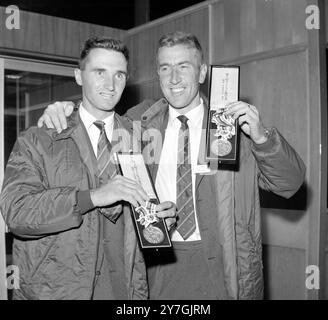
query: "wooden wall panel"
253, 26
61, 38
87, 30
27, 37
247, 39
42, 34
277, 87
284, 228
142, 43
286, 266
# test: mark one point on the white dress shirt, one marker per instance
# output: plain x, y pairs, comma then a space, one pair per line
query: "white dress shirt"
166, 177
88, 120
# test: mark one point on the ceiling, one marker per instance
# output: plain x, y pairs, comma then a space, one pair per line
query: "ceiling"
111, 13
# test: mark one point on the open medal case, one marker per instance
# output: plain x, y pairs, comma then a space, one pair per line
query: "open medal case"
222, 132
151, 231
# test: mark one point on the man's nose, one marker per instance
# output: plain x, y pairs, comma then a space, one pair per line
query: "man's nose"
109, 83
175, 76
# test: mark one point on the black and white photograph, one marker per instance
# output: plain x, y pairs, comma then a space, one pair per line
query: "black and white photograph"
171, 152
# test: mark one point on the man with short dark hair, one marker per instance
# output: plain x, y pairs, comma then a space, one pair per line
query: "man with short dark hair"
66, 203
217, 241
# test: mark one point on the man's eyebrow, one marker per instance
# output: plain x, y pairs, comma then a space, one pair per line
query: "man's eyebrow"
103, 69
184, 62
163, 64
98, 69
179, 63
122, 71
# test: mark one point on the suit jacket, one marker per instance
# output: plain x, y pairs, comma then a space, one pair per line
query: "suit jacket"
227, 201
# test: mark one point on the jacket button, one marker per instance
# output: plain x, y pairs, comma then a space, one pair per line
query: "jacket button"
98, 273
144, 118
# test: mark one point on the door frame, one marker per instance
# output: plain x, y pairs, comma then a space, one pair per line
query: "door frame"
21, 65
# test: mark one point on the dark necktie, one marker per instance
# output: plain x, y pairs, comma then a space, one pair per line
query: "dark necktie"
106, 168
186, 223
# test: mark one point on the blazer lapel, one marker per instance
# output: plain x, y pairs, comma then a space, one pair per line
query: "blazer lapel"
83, 143
159, 146
202, 147
154, 124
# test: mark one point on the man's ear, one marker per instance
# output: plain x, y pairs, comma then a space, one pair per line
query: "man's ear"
202, 73
78, 77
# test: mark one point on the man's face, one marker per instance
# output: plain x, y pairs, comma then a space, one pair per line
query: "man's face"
180, 74
103, 80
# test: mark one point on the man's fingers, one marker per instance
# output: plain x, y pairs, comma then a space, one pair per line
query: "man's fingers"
62, 119
170, 223
166, 214
243, 119
166, 210
164, 206
236, 106
132, 190
52, 120
134, 187
129, 198
48, 122
40, 122
68, 108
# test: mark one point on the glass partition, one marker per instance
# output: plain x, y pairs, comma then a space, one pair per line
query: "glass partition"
26, 88
26, 94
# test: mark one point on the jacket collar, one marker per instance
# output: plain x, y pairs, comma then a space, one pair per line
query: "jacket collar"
152, 116
74, 122
159, 110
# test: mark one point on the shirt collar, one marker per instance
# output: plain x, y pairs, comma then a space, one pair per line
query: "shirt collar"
88, 119
195, 115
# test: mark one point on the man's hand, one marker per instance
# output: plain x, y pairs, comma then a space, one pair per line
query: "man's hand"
54, 116
168, 211
117, 189
249, 120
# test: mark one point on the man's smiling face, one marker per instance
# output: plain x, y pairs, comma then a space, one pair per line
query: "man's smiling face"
103, 79
180, 73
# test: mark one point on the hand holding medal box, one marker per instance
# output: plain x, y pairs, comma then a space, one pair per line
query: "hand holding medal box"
151, 231
222, 136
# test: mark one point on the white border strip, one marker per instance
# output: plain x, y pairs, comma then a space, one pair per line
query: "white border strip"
3, 274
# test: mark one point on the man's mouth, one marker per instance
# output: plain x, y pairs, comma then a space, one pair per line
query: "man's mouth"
107, 95
177, 91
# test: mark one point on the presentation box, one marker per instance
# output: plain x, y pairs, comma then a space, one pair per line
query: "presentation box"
222, 135
151, 231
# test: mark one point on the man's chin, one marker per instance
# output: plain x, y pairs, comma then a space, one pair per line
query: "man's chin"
177, 104
108, 108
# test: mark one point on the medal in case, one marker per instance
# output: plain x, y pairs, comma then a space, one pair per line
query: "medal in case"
151, 231
222, 135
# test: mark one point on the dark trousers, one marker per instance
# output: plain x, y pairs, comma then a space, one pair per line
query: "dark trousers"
183, 273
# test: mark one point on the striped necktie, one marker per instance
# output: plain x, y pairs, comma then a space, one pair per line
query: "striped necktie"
186, 223
106, 169
104, 148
